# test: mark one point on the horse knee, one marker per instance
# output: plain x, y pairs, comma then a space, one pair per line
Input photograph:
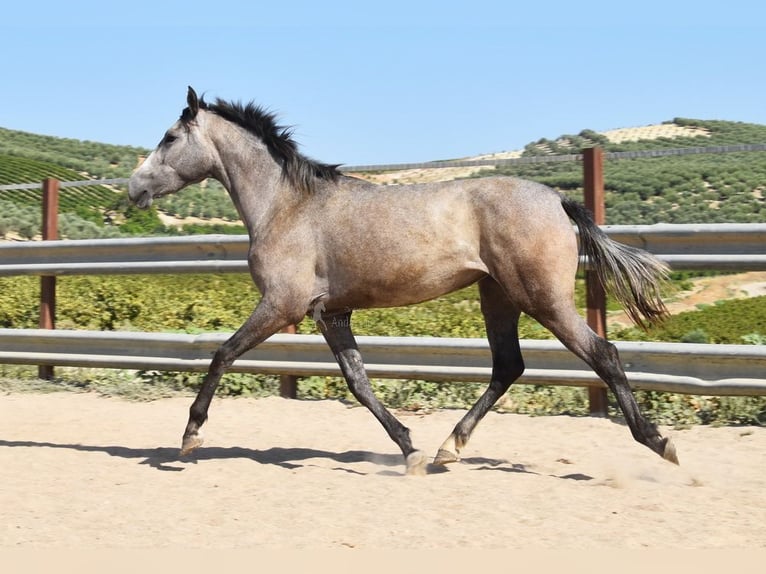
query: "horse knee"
223, 358
516, 371
608, 357
610, 350
505, 373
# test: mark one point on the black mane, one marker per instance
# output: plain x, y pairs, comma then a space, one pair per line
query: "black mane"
298, 169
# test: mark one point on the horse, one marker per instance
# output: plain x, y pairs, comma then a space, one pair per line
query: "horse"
322, 244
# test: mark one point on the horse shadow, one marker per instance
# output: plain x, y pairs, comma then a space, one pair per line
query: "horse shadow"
168, 459
481, 463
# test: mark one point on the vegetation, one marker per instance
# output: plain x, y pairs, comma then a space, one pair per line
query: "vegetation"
735, 322
96, 210
82, 209
90, 159
205, 202
706, 188
220, 302
203, 303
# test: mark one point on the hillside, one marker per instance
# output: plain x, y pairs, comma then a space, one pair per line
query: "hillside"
542, 147
678, 189
92, 211
88, 159
705, 188
23, 170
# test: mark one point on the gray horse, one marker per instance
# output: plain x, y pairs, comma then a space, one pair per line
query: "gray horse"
322, 243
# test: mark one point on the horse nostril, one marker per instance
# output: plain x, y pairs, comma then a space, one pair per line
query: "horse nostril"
143, 199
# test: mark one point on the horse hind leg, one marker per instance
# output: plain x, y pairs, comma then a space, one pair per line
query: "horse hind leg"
603, 358
501, 318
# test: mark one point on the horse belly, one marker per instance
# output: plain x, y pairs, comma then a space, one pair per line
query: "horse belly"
405, 250
403, 286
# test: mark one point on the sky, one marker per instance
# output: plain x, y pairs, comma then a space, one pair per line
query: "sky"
382, 82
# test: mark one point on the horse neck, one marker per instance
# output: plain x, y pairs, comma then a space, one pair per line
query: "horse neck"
251, 176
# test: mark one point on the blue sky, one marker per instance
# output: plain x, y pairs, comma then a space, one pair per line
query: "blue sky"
382, 82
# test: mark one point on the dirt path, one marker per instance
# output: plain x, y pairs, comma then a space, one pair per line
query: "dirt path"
706, 291
81, 472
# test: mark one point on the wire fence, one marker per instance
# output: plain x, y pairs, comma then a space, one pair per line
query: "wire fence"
81, 183
501, 162
498, 162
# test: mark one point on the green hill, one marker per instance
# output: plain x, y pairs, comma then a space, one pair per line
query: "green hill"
85, 210
82, 209
92, 211
707, 188
72, 199
89, 159
704, 188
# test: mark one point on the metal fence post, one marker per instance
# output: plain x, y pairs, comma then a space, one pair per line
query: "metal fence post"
48, 283
593, 186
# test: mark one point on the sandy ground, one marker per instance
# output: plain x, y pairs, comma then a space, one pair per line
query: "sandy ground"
79, 471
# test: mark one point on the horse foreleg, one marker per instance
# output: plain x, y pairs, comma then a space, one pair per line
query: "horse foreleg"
337, 332
501, 318
261, 324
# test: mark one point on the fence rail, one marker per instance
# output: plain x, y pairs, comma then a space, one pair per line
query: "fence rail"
671, 367
686, 368
740, 246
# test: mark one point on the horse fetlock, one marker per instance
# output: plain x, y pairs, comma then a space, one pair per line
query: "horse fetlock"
669, 451
191, 442
448, 452
417, 463
445, 457
663, 447
461, 439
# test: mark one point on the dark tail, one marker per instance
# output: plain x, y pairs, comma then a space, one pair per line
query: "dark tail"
634, 276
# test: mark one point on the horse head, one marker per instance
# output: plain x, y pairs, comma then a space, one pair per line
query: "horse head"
184, 156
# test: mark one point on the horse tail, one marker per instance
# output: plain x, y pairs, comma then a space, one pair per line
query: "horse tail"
634, 276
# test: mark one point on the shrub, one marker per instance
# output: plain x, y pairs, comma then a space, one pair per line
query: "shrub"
695, 336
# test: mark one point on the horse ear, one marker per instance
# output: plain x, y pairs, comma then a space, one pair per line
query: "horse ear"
193, 102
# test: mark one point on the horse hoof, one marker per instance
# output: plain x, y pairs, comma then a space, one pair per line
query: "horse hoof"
669, 452
416, 463
445, 456
190, 443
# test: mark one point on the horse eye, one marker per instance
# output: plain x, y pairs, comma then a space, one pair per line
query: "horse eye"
168, 139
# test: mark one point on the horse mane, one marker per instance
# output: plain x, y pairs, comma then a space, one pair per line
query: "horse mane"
301, 171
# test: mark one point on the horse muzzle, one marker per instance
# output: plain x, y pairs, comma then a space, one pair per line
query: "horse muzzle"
140, 197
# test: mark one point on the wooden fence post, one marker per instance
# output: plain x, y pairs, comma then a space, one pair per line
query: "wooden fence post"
593, 183
48, 283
